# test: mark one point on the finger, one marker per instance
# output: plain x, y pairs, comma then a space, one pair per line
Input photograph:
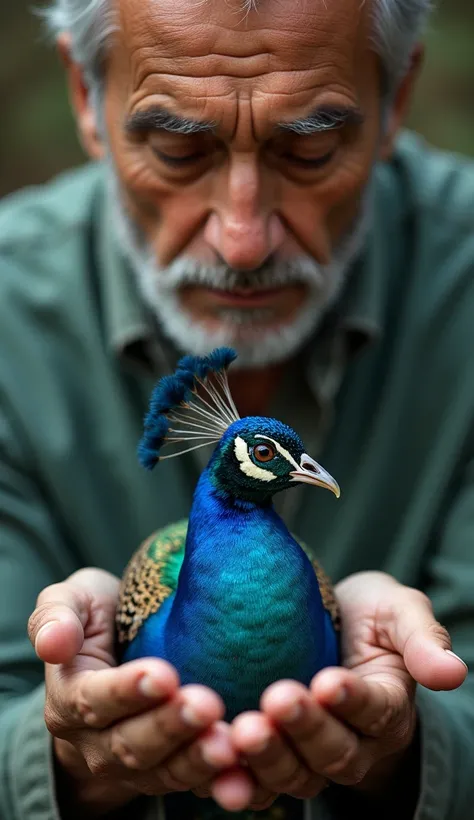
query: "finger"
197, 764
235, 791
103, 697
365, 705
422, 642
323, 742
56, 627
272, 761
148, 739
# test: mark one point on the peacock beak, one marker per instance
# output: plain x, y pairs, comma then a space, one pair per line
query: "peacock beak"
310, 472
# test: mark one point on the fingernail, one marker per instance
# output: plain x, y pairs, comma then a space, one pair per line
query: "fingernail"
90, 718
293, 713
44, 629
149, 687
190, 717
215, 751
260, 746
339, 696
453, 654
208, 755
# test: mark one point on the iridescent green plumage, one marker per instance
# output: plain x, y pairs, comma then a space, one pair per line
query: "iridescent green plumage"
152, 576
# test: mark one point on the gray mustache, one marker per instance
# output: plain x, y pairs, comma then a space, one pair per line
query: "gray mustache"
187, 272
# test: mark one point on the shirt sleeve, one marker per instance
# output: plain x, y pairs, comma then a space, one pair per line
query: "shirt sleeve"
446, 719
34, 552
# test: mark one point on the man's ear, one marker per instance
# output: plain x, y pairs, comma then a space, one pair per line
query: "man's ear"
401, 103
81, 101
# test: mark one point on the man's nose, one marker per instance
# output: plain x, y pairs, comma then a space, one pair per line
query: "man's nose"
243, 228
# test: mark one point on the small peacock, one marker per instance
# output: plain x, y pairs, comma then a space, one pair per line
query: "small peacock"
230, 598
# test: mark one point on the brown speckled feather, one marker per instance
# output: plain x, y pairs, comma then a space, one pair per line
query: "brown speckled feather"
327, 594
150, 577
326, 587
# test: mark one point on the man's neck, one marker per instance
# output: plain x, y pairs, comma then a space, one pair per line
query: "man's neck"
254, 390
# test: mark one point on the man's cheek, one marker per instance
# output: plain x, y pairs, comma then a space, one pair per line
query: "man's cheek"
171, 224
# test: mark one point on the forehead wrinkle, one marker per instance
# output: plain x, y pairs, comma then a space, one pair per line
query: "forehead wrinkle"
244, 132
279, 80
205, 18
168, 37
312, 90
264, 69
213, 76
203, 28
146, 61
267, 111
153, 26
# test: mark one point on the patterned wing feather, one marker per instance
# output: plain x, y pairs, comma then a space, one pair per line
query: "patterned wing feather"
327, 590
150, 577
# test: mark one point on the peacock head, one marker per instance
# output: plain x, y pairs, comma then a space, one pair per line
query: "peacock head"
258, 457
255, 457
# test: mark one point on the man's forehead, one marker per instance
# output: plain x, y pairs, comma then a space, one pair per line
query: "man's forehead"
291, 31
200, 54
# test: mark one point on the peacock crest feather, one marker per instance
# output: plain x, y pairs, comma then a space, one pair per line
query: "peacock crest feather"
190, 409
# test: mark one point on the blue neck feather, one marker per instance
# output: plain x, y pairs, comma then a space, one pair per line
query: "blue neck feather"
247, 610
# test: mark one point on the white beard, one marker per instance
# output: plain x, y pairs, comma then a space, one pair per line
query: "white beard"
246, 330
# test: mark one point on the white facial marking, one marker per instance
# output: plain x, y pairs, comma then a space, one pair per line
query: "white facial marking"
246, 464
282, 451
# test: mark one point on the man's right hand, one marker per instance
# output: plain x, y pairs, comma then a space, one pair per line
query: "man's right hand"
120, 731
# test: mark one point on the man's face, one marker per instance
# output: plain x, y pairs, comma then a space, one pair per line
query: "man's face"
242, 145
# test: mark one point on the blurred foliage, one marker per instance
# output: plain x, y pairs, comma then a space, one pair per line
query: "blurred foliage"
38, 139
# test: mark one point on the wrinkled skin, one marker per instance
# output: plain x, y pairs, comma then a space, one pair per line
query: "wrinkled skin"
241, 195
247, 192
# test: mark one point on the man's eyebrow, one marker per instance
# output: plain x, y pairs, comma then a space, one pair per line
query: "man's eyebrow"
158, 119
325, 118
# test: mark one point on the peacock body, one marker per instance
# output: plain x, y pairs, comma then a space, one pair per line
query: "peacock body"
229, 597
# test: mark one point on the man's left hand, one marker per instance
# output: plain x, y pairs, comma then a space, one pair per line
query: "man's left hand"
355, 724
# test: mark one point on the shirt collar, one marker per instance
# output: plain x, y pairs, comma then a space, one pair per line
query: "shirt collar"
356, 320
129, 328
359, 311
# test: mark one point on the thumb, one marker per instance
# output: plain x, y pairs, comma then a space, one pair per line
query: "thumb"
423, 643
56, 627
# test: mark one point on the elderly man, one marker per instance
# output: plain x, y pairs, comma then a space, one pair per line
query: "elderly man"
249, 187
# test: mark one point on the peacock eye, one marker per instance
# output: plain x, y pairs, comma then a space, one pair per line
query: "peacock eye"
264, 452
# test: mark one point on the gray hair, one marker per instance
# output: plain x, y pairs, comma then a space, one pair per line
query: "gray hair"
398, 26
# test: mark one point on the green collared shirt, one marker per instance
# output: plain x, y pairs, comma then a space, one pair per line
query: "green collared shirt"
383, 396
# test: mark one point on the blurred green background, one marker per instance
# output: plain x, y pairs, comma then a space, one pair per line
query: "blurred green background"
37, 137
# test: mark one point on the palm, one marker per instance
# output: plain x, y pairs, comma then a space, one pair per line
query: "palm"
367, 645
98, 648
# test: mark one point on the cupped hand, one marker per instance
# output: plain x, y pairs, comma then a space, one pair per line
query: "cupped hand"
355, 724
121, 731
